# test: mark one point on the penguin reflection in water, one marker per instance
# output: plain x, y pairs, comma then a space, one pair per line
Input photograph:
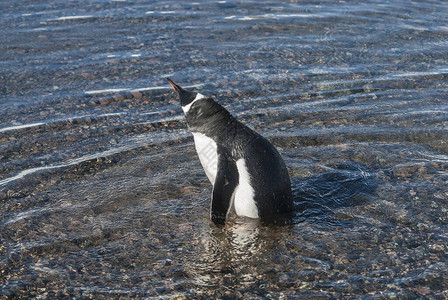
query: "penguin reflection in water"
247, 172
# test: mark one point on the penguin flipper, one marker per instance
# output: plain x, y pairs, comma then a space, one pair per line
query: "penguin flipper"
225, 184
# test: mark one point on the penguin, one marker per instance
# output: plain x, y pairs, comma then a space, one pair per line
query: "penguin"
247, 172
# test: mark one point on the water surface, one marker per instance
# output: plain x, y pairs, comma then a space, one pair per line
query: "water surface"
101, 192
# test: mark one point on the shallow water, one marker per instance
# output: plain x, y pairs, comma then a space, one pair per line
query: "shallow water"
101, 192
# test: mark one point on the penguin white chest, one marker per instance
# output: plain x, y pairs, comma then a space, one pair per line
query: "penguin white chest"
208, 154
244, 201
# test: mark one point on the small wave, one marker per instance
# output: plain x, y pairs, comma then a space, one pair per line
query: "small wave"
167, 12
440, 71
322, 195
76, 161
72, 18
107, 91
129, 144
61, 120
280, 16
23, 126
143, 89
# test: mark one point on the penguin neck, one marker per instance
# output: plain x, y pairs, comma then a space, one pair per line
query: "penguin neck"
187, 107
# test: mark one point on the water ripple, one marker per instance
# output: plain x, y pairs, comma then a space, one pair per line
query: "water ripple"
101, 193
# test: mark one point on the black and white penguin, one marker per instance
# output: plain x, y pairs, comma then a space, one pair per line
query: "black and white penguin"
247, 172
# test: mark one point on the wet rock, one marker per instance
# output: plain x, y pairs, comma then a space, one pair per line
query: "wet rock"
422, 290
136, 94
178, 297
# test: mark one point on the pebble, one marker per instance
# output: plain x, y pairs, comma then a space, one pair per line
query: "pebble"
118, 97
137, 95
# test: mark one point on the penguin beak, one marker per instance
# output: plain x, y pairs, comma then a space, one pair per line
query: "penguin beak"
175, 86
185, 96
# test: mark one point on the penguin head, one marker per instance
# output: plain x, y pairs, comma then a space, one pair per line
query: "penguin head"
186, 97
